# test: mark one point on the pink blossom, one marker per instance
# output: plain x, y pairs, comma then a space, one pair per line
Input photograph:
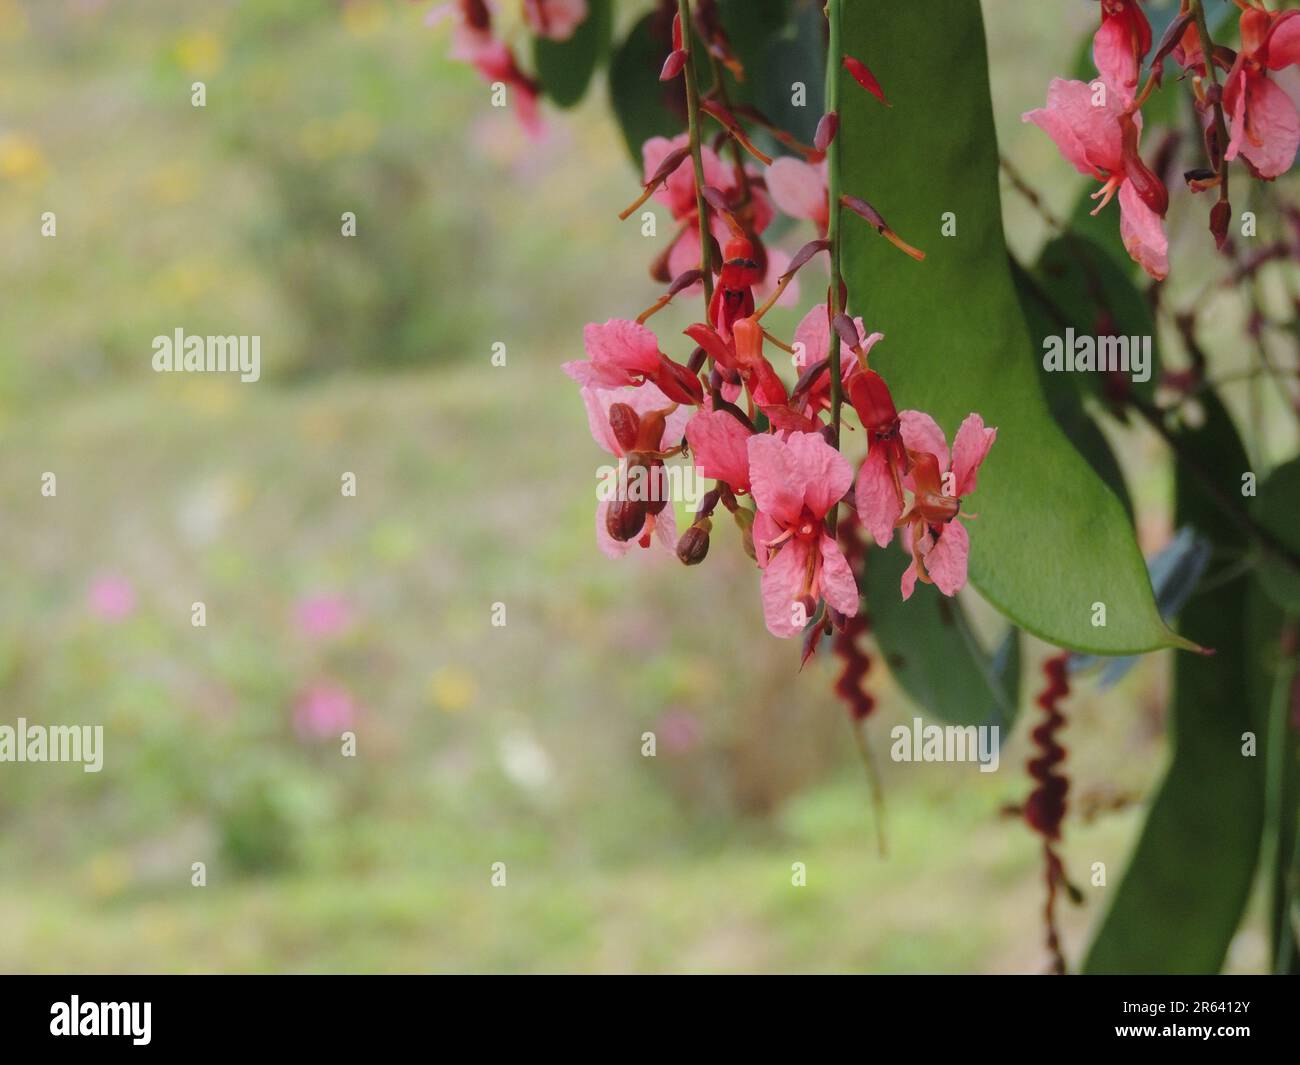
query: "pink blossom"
619, 353
323, 616
795, 482
1264, 127
555, 19
473, 42
720, 445
111, 598
649, 403
800, 190
813, 332
323, 710
939, 542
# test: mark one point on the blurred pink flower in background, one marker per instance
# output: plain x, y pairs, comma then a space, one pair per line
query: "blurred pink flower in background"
322, 616
323, 710
111, 598
679, 730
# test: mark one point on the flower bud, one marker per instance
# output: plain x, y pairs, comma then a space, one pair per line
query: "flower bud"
625, 423
863, 76
693, 545
624, 519
871, 399
1220, 217
744, 518
673, 65
826, 130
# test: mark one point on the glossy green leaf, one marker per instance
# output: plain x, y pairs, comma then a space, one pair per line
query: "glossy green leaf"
564, 68
932, 652
1051, 539
645, 106
1189, 878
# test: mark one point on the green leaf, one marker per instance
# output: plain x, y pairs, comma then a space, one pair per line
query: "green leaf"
796, 56
1277, 508
932, 652
1188, 881
565, 67
645, 106
1051, 539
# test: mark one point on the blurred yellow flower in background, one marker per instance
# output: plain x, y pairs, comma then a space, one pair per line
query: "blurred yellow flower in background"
200, 52
363, 18
21, 158
452, 689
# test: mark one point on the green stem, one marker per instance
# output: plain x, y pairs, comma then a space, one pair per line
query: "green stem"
693, 120
833, 58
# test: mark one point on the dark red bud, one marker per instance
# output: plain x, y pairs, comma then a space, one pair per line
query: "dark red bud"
871, 399
805, 253
863, 76
863, 209
847, 330
670, 163
685, 280
693, 546
624, 519
677, 382
625, 424
1220, 217
677, 33
826, 130
673, 65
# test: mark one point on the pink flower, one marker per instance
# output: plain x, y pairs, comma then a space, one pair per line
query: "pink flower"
720, 445
627, 353
322, 711
555, 19
678, 195
814, 334
473, 42
795, 482
659, 422
939, 542
800, 190
111, 598
1264, 125
1097, 128
322, 616
1100, 139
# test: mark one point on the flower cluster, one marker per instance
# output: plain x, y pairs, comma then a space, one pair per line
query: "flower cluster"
474, 42
771, 447
1097, 125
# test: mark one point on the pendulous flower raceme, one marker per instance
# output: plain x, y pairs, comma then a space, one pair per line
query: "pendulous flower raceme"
1097, 125
771, 446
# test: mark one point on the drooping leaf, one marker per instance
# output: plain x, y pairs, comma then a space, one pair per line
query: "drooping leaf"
1182, 895
564, 68
645, 106
1051, 539
929, 646
1277, 508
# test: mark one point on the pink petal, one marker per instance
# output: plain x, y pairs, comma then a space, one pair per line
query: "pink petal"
1234, 103
719, 444
969, 447
646, 398
665, 528
765, 530
1143, 233
908, 583
879, 507
1088, 136
946, 560
799, 189
781, 584
920, 432
825, 474
775, 478
1112, 52
1284, 41
555, 19
1272, 120
838, 586
620, 343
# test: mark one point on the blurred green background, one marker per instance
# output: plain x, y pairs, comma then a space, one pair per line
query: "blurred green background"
476, 744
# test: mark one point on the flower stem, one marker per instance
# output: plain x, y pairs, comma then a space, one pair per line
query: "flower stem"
693, 125
833, 54
1220, 126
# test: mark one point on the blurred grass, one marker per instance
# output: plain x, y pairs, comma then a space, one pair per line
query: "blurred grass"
475, 744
